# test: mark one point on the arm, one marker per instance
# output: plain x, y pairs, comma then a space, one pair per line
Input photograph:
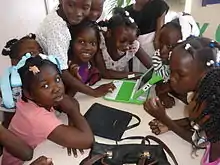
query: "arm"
14, 145
144, 58
107, 73
160, 23
77, 136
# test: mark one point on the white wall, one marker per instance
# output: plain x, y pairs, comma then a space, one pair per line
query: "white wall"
208, 14
18, 18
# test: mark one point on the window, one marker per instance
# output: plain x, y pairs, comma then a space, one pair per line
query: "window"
209, 2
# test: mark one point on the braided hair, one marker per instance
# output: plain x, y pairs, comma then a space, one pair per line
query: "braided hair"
174, 24
77, 29
120, 18
12, 47
205, 52
28, 77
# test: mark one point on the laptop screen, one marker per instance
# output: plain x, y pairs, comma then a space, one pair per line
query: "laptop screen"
146, 77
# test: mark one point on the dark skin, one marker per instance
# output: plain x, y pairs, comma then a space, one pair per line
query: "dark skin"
96, 10
27, 46
186, 74
47, 90
73, 12
168, 39
120, 39
138, 6
84, 49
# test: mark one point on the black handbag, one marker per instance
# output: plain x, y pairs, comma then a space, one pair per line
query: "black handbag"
140, 154
108, 122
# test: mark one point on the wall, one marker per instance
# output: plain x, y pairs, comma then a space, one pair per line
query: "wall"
207, 18
18, 18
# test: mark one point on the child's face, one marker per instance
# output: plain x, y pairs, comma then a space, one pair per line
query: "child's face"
124, 37
27, 46
96, 10
168, 39
47, 89
75, 10
185, 71
86, 45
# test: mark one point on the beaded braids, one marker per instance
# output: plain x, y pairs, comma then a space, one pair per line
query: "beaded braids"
120, 18
205, 52
28, 72
11, 48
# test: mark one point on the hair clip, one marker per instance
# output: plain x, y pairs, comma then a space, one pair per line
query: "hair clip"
210, 63
187, 46
127, 13
212, 44
131, 20
7, 49
30, 35
34, 69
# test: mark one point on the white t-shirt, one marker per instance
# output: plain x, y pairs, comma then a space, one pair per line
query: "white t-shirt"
122, 63
54, 37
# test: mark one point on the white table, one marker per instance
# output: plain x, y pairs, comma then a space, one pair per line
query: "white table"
179, 147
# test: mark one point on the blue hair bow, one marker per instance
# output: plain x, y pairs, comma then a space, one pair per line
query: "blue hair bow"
11, 78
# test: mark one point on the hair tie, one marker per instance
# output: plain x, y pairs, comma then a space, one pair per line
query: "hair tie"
187, 46
210, 63
131, 20
127, 13
212, 44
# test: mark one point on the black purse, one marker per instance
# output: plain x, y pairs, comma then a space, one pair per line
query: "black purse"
108, 122
140, 154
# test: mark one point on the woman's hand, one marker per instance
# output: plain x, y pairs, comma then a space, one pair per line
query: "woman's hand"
42, 161
102, 90
155, 109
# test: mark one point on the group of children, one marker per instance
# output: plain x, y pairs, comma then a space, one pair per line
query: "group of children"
79, 52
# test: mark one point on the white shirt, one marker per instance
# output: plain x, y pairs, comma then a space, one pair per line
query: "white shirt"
54, 37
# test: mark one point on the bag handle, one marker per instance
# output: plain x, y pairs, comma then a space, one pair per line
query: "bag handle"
136, 124
135, 138
94, 159
166, 148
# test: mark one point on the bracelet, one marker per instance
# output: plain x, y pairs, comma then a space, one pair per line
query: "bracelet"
131, 76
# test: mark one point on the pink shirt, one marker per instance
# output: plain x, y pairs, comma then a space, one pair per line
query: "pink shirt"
205, 159
31, 123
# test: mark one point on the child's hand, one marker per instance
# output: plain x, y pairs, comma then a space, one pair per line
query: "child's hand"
74, 70
73, 151
155, 109
167, 101
42, 161
103, 89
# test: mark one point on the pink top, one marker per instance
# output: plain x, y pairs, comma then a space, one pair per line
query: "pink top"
31, 123
205, 159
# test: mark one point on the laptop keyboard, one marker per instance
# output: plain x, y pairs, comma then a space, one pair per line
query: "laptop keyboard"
113, 95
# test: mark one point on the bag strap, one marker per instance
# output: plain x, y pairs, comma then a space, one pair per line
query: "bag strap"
166, 148
94, 159
135, 138
136, 124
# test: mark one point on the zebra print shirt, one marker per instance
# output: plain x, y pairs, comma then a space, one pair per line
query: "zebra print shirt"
160, 68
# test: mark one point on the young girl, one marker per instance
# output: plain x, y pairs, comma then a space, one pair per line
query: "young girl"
34, 120
83, 47
193, 69
15, 49
54, 37
179, 29
96, 10
119, 45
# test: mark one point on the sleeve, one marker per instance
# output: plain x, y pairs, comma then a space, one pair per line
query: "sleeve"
160, 7
44, 123
58, 44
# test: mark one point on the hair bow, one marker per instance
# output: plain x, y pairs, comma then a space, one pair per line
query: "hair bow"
11, 78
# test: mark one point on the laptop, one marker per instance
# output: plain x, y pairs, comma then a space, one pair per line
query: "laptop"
136, 92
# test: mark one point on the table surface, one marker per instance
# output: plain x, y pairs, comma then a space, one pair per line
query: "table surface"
181, 149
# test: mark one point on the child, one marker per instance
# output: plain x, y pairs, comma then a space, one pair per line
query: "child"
193, 69
119, 45
19, 149
149, 16
182, 27
96, 10
15, 49
54, 37
83, 47
34, 120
